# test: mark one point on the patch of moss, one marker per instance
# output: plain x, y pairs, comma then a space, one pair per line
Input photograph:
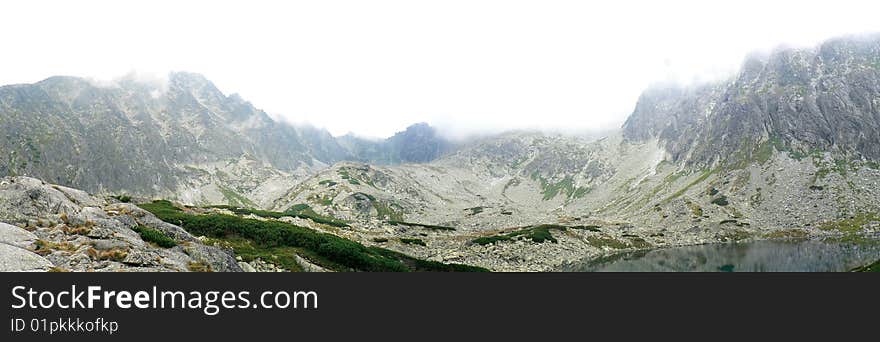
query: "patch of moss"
604, 241
787, 234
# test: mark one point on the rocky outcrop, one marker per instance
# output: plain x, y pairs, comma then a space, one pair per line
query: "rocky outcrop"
801, 100
14, 255
51, 227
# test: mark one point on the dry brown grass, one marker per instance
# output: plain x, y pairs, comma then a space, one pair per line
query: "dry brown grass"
116, 254
43, 247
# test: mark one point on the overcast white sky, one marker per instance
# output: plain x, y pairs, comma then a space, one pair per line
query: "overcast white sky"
374, 67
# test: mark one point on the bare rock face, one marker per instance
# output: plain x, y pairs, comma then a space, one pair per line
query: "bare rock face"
15, 259
67, 229
826, 98
15, 236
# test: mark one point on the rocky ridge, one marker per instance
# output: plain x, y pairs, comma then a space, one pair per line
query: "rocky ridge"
55, 228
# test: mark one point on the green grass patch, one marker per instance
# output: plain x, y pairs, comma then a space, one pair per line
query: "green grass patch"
234, 198
155, 236
681, 191
606, 241
566, 186
851, 225
327, 249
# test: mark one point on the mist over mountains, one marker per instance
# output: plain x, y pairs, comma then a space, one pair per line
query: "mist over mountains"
787, 147
136, 137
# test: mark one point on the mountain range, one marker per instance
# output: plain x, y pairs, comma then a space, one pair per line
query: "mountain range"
787, 147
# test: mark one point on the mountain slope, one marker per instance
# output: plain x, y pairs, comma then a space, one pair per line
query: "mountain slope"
800, 100
787, 148
184, 140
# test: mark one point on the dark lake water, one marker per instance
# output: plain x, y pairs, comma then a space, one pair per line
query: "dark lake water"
757, 256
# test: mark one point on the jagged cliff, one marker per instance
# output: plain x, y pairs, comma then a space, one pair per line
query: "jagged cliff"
801, 100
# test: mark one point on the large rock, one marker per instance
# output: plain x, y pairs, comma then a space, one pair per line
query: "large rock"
12, 235
23, 198
15, 259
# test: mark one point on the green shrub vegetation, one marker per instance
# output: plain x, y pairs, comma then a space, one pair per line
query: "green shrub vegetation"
592, 228
475, 210
428, 226
302, 211
123, 198
327, 182
539, 233
566, 186
326, 249
409, 241
720, 200
155, 236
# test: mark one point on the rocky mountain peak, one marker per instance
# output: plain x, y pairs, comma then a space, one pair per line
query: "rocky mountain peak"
822, 98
